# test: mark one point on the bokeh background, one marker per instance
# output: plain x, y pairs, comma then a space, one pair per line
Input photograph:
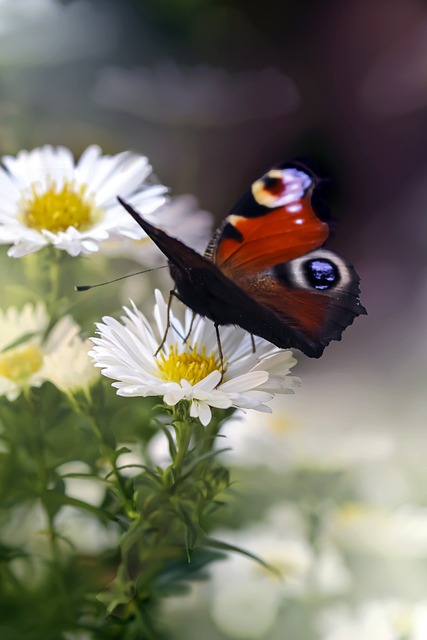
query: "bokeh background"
214, 92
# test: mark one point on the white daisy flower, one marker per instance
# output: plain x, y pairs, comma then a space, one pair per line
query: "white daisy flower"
190, 371
47, 198
25, 352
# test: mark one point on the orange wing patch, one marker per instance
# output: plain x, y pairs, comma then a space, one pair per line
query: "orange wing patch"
261, 242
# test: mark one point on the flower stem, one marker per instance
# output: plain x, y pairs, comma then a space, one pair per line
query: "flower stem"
37, 447
183, 437
53, 293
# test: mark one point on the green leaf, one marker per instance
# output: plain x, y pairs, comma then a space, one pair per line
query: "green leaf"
56, 500
18, 341
206, 456
224, 546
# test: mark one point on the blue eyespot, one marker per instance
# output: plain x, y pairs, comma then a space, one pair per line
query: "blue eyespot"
321, 273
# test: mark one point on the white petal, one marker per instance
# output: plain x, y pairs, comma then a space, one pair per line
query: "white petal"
244, 382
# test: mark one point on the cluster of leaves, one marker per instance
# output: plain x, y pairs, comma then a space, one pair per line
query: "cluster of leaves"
160, 517
166, 539
162, 514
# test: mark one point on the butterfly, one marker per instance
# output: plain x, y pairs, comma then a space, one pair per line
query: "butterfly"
266, 268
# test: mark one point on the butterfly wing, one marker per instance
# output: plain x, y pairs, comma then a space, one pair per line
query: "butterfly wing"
265, 269
273, 223
207, 291
270, 246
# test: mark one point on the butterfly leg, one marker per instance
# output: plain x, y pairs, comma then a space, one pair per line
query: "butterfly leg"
185, 338
221, 355
172, 294
253, 343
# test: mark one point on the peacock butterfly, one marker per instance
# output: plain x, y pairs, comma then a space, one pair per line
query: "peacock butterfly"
266, 268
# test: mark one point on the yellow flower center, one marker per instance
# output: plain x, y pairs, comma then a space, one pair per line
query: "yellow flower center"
21, 362
58, 208
190, 365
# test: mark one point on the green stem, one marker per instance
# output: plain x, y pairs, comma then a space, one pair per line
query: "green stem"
54, 258
183, 437
211, 431
143, 623
38, 448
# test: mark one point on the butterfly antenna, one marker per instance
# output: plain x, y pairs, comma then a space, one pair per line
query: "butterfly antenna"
86, 287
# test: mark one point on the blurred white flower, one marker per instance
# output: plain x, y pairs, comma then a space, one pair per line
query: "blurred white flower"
246, 600
24, 351
398, 533
46, 32
246, 596
197, 96
329, 575
181, 218
376, 620
190, 371
47, 198
321, 427
69, 367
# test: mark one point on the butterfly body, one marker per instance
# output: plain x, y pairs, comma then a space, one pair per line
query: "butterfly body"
266, 270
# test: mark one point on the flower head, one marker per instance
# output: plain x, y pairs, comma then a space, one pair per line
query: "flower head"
69, 367
47, 198
190, 370
27, 356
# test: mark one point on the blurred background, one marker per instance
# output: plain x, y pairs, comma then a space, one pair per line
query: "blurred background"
214, 92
